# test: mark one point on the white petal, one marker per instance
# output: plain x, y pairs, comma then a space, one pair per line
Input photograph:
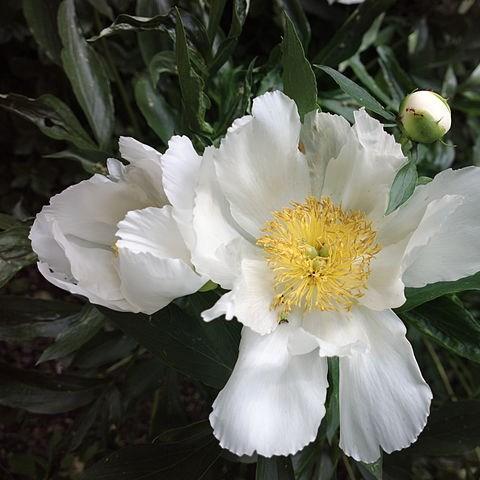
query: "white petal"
454, 251
218, 242
91, 209
384, 400
153, 261
253, 296
274, 402
323, 135
180, 164
150, 282
152, 230
403, 237
259, 166
336, 333
46, 247
137, 152
224, 306
361, 176
145, 169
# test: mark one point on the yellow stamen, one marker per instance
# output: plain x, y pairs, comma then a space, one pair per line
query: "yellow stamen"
115, 249
320, 255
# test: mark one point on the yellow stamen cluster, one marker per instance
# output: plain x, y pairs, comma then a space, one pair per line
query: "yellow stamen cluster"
320, 255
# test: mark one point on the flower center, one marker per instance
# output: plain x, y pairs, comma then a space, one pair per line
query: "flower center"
320, 255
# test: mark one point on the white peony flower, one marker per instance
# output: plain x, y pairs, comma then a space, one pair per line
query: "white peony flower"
123, 240
291, 219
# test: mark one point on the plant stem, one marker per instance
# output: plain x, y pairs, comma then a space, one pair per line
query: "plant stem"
348, 468
440, 369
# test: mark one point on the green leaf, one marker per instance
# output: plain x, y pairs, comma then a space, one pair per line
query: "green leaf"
39, 393
84, 422
15, 252
162, 62
418, 296
356, 92
299, 81
104, 348
403, 186
154, 108
226, 48
274, 468
24, 319
348, 38
151, 42
332, 417
102, 7
42, 20
194, 100
452, 429
396, 78
187, 344
87, 74
449, 324
130, 23
294, 11
86, 324
51, 116
368, 81
371, 471
92, 161
189, 459
8, 221
225, 335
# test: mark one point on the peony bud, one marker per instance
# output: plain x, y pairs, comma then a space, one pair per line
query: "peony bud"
425, 116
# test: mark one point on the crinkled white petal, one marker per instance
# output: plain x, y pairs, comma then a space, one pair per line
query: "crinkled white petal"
361, 176
145, 169
453, 252
74, 235
181, 165
384, 400
150, 282
152, 230
258, 164
153, 261
219, 244
224, 306
273, 402
410, 234
90, 210
322, 135
69, 284
336, 333
253, 296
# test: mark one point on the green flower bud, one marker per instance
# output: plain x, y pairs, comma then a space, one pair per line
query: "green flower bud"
425, 116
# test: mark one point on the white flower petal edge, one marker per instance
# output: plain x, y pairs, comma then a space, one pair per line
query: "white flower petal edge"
153, 261
384, 400
361, 176
259, 165
219, 243
456, 242
273, 402
75, 236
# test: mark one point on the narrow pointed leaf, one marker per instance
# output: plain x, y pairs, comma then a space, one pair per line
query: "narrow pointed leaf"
299, 81
87, 74
357, 92
53, 117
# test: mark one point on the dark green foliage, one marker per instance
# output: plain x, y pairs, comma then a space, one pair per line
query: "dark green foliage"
134, 391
